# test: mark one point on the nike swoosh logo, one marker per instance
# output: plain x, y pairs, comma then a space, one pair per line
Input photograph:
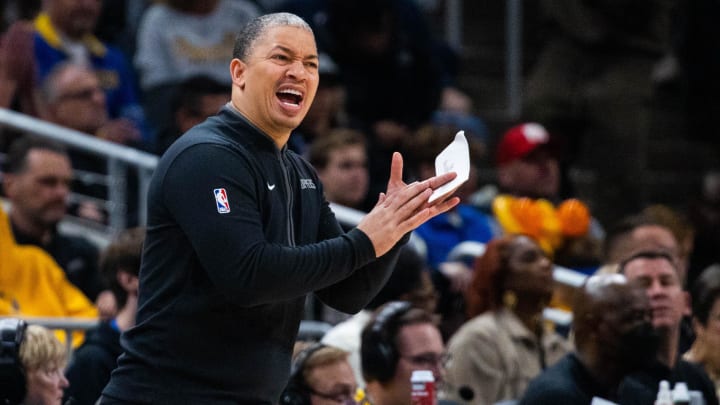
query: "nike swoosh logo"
271, 187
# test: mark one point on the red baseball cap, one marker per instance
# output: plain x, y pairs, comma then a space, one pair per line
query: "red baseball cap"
519, 141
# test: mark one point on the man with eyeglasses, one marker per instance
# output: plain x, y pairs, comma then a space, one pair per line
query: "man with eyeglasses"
72, 96
321, 375
399, 340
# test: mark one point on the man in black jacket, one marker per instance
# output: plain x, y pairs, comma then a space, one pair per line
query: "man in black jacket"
239, 234
613, 337
657, 271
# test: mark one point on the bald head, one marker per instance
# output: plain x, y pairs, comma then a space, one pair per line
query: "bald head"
606, 300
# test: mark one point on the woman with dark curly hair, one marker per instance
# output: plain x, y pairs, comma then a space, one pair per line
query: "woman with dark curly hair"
505, 343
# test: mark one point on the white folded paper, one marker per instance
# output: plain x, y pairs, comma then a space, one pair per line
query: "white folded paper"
454, 158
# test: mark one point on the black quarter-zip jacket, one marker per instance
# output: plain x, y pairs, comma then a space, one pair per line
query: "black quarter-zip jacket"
223, 281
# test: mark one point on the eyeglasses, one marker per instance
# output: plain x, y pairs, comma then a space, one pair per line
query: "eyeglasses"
345, 397
428, 359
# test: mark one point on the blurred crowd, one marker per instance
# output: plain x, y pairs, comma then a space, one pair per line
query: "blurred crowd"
141, 73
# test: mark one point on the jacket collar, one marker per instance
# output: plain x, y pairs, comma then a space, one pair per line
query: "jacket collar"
237, 120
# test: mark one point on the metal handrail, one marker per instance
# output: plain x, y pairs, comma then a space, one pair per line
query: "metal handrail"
119, 159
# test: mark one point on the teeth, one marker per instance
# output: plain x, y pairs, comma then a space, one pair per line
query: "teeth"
290, 91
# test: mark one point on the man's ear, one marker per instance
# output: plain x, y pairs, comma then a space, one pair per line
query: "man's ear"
8, 183
237, 72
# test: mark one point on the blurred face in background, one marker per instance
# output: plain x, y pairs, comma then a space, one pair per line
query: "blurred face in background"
345, 178
74, 18
79, 102
420, 347
659, 277
537, 175
40, 191
530, 270
45, 385
332, 384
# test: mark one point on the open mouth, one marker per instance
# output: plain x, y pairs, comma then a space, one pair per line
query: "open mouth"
290, 96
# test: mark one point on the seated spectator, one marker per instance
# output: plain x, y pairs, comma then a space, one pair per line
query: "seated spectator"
43, 358
643, 232
72, 96
635, 233
37, 185
32, 284
340, 159
409, 281
613, 337
528, 199
397, 341
505, 343
63, 31
179, 39
658, 273
198, 98
705, 351
320, 375
91, 365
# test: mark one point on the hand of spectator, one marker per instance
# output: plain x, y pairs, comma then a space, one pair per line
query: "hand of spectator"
91, 211
403, 208
121, 131
458, 274
106, 304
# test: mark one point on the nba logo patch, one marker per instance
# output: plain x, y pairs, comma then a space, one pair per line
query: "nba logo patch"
221, 200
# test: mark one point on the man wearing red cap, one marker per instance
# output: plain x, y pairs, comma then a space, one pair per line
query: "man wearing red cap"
526, 165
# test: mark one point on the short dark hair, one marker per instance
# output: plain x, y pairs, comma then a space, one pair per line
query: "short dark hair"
250, 33
320, 149
17, 154
122, 254
649, 254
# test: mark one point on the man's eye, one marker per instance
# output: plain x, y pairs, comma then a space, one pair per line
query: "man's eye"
280, 57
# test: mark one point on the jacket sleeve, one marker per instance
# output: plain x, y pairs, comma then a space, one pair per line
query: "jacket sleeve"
232, 247
353, 293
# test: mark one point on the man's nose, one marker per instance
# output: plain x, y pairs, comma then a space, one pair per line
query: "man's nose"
298, 70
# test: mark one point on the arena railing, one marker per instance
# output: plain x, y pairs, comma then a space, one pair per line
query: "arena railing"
119, 159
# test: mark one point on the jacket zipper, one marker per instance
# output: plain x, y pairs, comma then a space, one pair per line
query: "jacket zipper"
289, 205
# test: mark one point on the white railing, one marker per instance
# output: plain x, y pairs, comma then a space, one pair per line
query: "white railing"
119, 159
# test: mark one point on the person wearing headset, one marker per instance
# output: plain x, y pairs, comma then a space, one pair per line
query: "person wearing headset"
321, 375
32, 360
397, 341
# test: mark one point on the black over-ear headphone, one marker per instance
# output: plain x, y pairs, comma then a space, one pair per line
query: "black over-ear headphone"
297, 391
12, 377
378, 353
